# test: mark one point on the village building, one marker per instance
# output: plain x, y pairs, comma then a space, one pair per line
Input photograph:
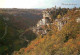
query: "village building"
78, 20
42, 22
46, 14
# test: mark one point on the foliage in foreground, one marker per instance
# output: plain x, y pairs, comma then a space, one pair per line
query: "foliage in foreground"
63, 42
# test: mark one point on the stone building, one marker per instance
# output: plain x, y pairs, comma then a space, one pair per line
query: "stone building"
43, 22
46, 14
59, 24
46, 18
78, 20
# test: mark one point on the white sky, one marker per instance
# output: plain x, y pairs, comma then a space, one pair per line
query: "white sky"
36, 3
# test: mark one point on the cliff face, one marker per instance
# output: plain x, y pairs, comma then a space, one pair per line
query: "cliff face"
43, 25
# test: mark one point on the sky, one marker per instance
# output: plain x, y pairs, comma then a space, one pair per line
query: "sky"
39, 3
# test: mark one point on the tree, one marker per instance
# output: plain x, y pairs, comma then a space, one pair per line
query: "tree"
59, 16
